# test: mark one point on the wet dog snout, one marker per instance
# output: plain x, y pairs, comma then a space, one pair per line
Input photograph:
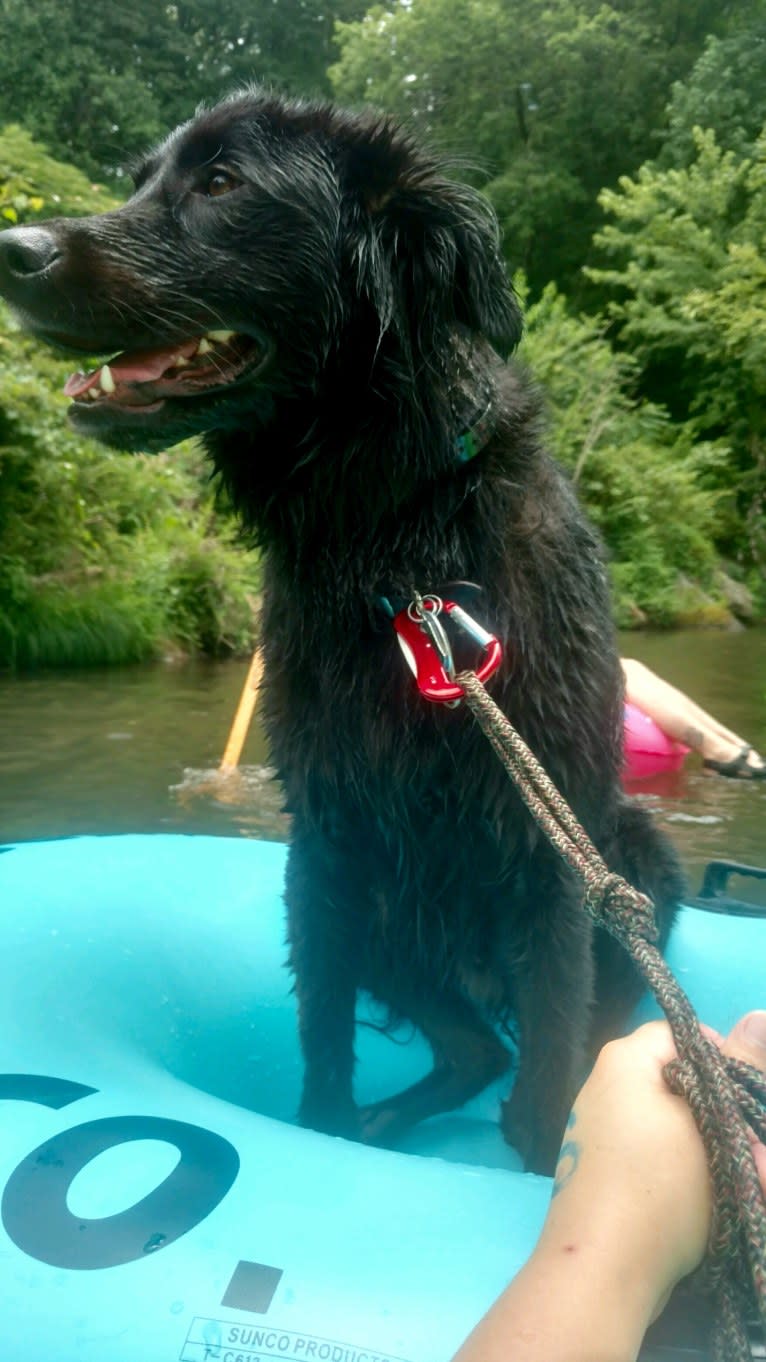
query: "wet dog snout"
25, 252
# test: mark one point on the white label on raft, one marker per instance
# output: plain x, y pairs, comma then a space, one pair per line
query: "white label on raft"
218, 1340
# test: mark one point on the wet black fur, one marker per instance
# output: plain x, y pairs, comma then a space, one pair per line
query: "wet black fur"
375, 284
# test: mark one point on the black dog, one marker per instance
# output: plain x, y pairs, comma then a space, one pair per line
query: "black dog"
311, 292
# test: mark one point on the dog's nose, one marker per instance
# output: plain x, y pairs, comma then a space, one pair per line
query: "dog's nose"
25, 251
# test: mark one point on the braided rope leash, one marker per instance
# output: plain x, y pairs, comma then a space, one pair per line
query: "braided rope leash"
725, 1096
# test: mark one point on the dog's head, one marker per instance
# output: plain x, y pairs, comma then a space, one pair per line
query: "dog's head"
266, 240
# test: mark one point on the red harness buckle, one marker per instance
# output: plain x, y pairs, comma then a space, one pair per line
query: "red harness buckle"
427, 649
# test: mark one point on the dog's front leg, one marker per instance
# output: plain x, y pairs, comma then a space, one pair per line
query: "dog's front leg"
553, 992
323, 934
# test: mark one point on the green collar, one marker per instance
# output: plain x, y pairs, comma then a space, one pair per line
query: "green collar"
472, 441
481, 428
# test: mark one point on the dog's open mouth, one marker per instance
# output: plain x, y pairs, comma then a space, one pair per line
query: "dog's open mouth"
143, 379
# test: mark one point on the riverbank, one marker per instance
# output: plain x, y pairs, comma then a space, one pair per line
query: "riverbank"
188, 593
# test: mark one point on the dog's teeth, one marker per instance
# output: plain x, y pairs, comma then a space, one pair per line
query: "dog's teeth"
180, 363
204, 346
93, 394
106, 381
221, 336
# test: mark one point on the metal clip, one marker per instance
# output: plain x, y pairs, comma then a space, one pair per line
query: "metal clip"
425, 611
427, 650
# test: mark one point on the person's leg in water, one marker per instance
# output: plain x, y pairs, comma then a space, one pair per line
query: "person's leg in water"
680, 718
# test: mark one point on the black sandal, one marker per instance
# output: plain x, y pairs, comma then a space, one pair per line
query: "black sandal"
739, 767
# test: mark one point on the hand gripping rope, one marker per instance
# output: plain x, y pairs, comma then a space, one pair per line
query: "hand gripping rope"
725, 1095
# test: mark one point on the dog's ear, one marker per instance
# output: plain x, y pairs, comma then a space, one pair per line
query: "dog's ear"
425, 245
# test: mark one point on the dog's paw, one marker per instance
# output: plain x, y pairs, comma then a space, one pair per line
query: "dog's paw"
331, 1118
538, 1142
380, 1124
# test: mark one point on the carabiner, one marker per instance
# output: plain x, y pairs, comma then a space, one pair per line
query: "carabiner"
427, 650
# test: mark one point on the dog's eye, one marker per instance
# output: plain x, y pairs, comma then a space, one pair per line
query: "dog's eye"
220, 182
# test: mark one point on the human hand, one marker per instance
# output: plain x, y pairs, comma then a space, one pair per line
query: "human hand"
632, 1172
630, 1213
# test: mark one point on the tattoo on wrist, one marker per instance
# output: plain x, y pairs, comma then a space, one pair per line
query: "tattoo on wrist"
569, 1157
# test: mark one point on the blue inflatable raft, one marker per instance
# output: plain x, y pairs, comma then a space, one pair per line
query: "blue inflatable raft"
156, 1203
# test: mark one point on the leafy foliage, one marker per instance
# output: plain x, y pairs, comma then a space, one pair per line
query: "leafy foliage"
690, 286
105, 558
725, 92
637, 472
552, 99
34, 185
99, 83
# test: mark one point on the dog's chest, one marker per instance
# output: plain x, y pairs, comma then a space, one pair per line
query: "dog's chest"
341, 707
367, 739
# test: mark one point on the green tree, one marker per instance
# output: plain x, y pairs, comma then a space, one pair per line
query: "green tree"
680, 28
549, 99
725, 91
98, 83
639, 475
689, 299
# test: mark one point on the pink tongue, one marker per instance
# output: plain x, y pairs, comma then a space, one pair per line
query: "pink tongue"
140, 366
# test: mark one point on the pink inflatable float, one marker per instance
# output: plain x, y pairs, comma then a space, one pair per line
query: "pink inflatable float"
648, 750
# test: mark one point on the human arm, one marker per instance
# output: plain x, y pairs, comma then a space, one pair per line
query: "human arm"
629, 1217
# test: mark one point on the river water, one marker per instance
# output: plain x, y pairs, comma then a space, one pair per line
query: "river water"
136, 749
